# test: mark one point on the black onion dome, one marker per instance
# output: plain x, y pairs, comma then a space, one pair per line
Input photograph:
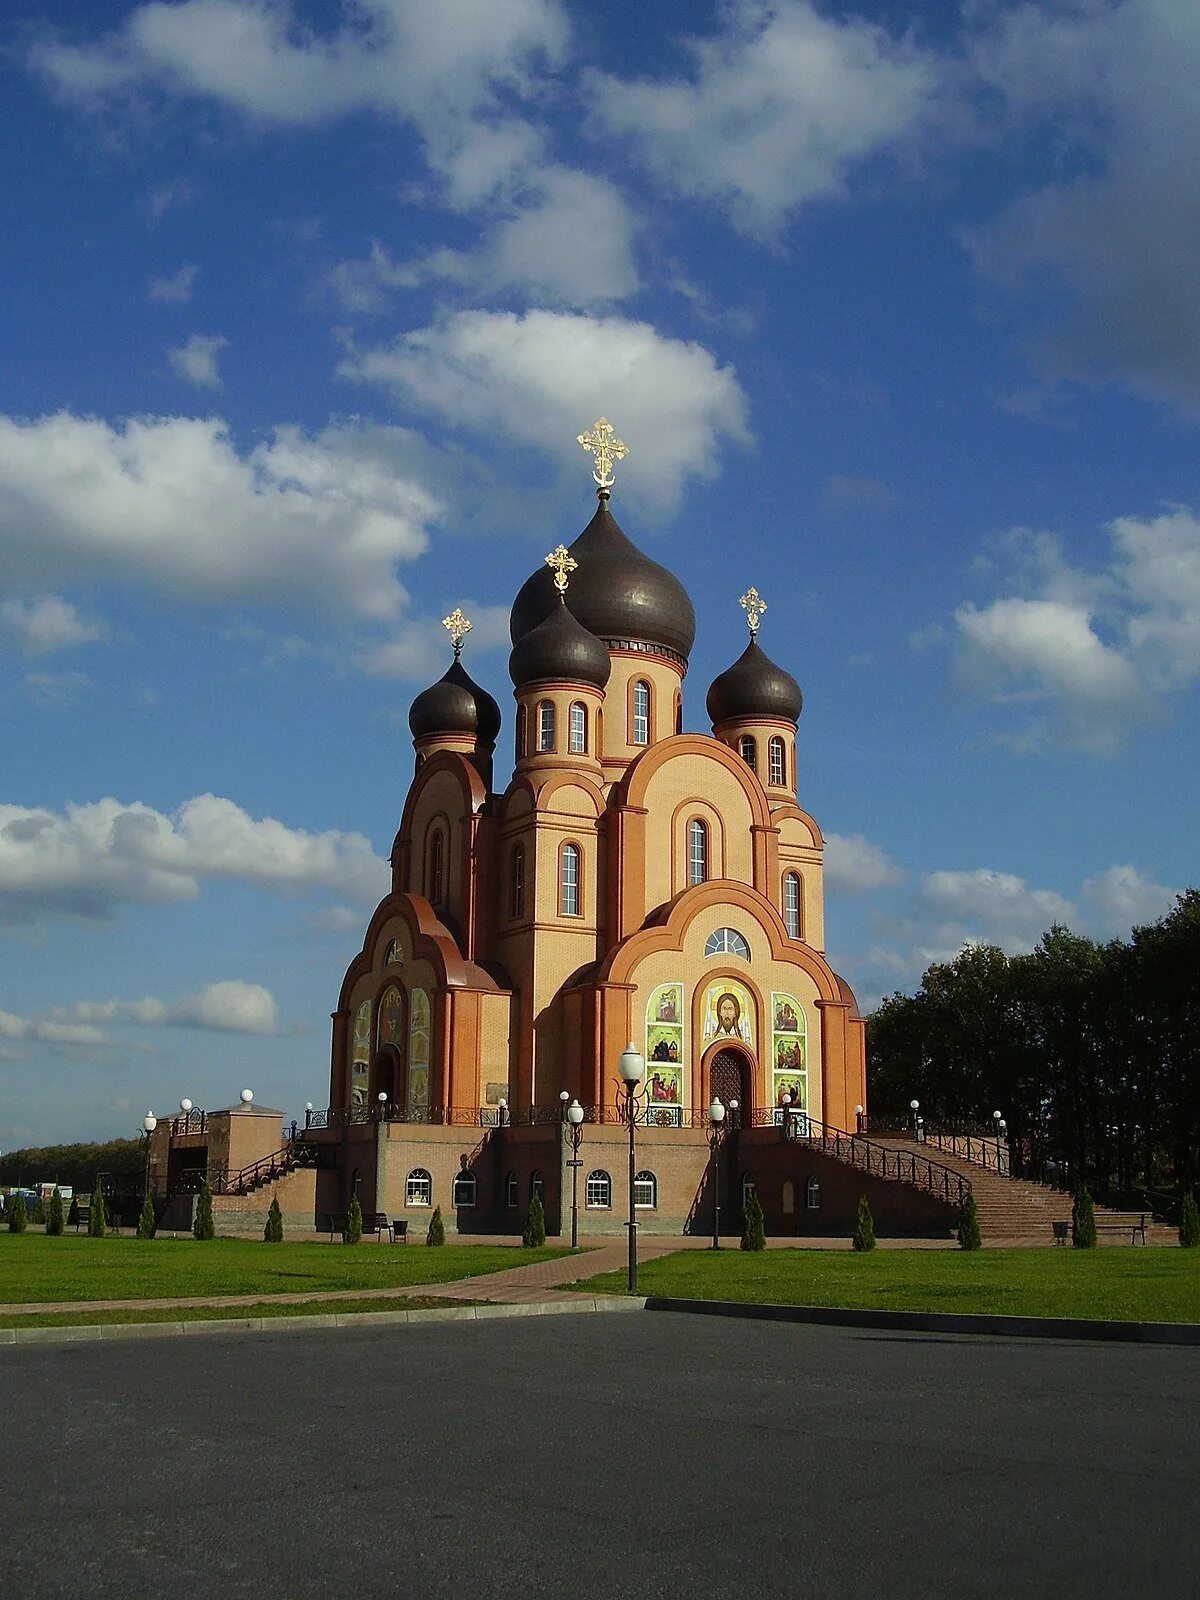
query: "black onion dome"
618, 594
559, 647
455, 704
754, 687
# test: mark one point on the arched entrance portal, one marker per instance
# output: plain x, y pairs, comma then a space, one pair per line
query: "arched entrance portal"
729, 1075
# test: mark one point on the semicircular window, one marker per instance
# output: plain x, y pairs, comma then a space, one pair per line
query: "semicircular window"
726, 942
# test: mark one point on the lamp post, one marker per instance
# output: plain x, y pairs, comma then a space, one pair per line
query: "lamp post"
716, 1116
913, 1106
382, 1098
858, 1119
1001, 1137
633, 1070
246, 1097
575, 1129
149, 1123
997, 1124
308, 1111
501, 1112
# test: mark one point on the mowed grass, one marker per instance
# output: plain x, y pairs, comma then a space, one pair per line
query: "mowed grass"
1133, 1284
35, 1268
259, 1308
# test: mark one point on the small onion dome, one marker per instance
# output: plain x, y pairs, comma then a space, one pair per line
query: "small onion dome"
455, 704
618, 594
560, 647
754, 687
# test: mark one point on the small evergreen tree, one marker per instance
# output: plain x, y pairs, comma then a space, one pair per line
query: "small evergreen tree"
353, 1233
864, 1228
55, 1220
968, 1226
202, 1224
534, 1236
273, 1232
18, 1217
754, 1235
96, 1227
73, 1215
147, 1222
437, 1228
1083, 1222
37, 1211
1189, 1222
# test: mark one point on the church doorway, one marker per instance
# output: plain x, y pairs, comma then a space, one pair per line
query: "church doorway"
729, 1079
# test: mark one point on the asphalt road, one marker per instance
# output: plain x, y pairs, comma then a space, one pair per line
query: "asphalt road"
596, 1456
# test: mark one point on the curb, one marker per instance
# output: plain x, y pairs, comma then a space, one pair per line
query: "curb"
1174, 1333
91, 1333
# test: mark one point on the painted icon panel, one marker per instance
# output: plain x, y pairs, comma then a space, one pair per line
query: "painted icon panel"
360, 1068
418, 1054
664, 1056
789, 1052
728, 1012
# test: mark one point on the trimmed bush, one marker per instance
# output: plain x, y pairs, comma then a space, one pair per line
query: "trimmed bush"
55, 1220
754, 1235
18, 1217
968, 1226
37, 1211
535, 1225
353, 1233
147, 1222
202, 1224
273, 1232
1083, 1222
1189, 1222
96, 1219
437, 1228
74, 1216
864, 1227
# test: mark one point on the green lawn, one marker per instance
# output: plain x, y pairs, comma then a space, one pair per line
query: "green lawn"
1132, 1284
74, 1267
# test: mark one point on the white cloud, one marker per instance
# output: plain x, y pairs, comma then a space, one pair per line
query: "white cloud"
49, 624
853, 865
197, 360
672, 402
48, 1031
321, 518
229, 1006
1124, 898
57, 688
782, 106
419, 654
89, 859
992, 907
175, 289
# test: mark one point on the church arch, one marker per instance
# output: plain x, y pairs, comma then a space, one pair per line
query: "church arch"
727, 1072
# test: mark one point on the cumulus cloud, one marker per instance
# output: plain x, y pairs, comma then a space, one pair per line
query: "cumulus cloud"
229, 1006
45, 1030
993, 907
853, 865
48, 624
418, 652
197, 360
320, 519
1123, 898
173, 289
780, 107
480, 370
89, 859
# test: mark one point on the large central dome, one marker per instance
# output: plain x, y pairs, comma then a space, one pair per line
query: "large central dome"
617, 593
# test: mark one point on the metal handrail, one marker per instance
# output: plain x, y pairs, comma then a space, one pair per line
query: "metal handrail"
879, 1160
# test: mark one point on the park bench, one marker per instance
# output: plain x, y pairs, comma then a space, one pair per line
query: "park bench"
1062, 1232
1132, 1225
373, 1222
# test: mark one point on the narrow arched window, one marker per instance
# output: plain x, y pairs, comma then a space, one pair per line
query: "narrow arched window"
598, 1193
466, 1190
437, 868
640, 732
678, 713
537, 1189
578, 738
645, 1192
778, 760
748, 750
511, 1190
522, 730
568, 884
812, 1195
418, 1191
545, 713
791, 903
516, 883
697, 851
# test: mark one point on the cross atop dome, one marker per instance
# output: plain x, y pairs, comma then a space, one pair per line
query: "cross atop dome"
753, 604
458, 627
561, 562
605, 448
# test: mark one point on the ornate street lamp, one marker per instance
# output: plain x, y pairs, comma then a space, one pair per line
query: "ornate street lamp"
575, 1129
247, 1095
382, 1098
633, 1069
858, 1119
149, 1123
913, 1106
716, 1116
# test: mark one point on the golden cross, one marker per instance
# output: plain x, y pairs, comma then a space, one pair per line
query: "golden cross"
604, 447
458, 627
562, 562
753, 604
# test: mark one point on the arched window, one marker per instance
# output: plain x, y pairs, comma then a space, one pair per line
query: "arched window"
791, 903
788, 1206
749, 1188
466, 1189
748, 750
598, 1193
697, 851
578, 733
516, 883
568, 881
393, 956
545, 713
726, 942
437, 869
812, 1195
537, 1189
522, 730
640, 732
778, 760
678, 713
645, 1192
418, 1191
511, 1191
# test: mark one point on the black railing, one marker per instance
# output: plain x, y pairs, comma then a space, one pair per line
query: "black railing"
879, 1160
193, 1121
990, 1154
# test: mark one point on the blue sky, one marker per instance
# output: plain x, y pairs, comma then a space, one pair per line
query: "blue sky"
303, 305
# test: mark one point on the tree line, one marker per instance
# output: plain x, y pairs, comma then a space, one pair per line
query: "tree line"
1090, 1051
76, 1165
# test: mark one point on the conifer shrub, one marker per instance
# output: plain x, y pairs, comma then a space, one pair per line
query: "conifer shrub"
1189, 1222
18, 1216
1083, 1221
273, 1232
55, 1220
74, 1216
864, 1227
202, 1224
96, 1220
147, 1222
437, 1228
968, 1226
353, 1233
754, 1234
534, 1235
37, 1210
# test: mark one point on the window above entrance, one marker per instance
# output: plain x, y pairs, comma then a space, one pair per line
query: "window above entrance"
727, 942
